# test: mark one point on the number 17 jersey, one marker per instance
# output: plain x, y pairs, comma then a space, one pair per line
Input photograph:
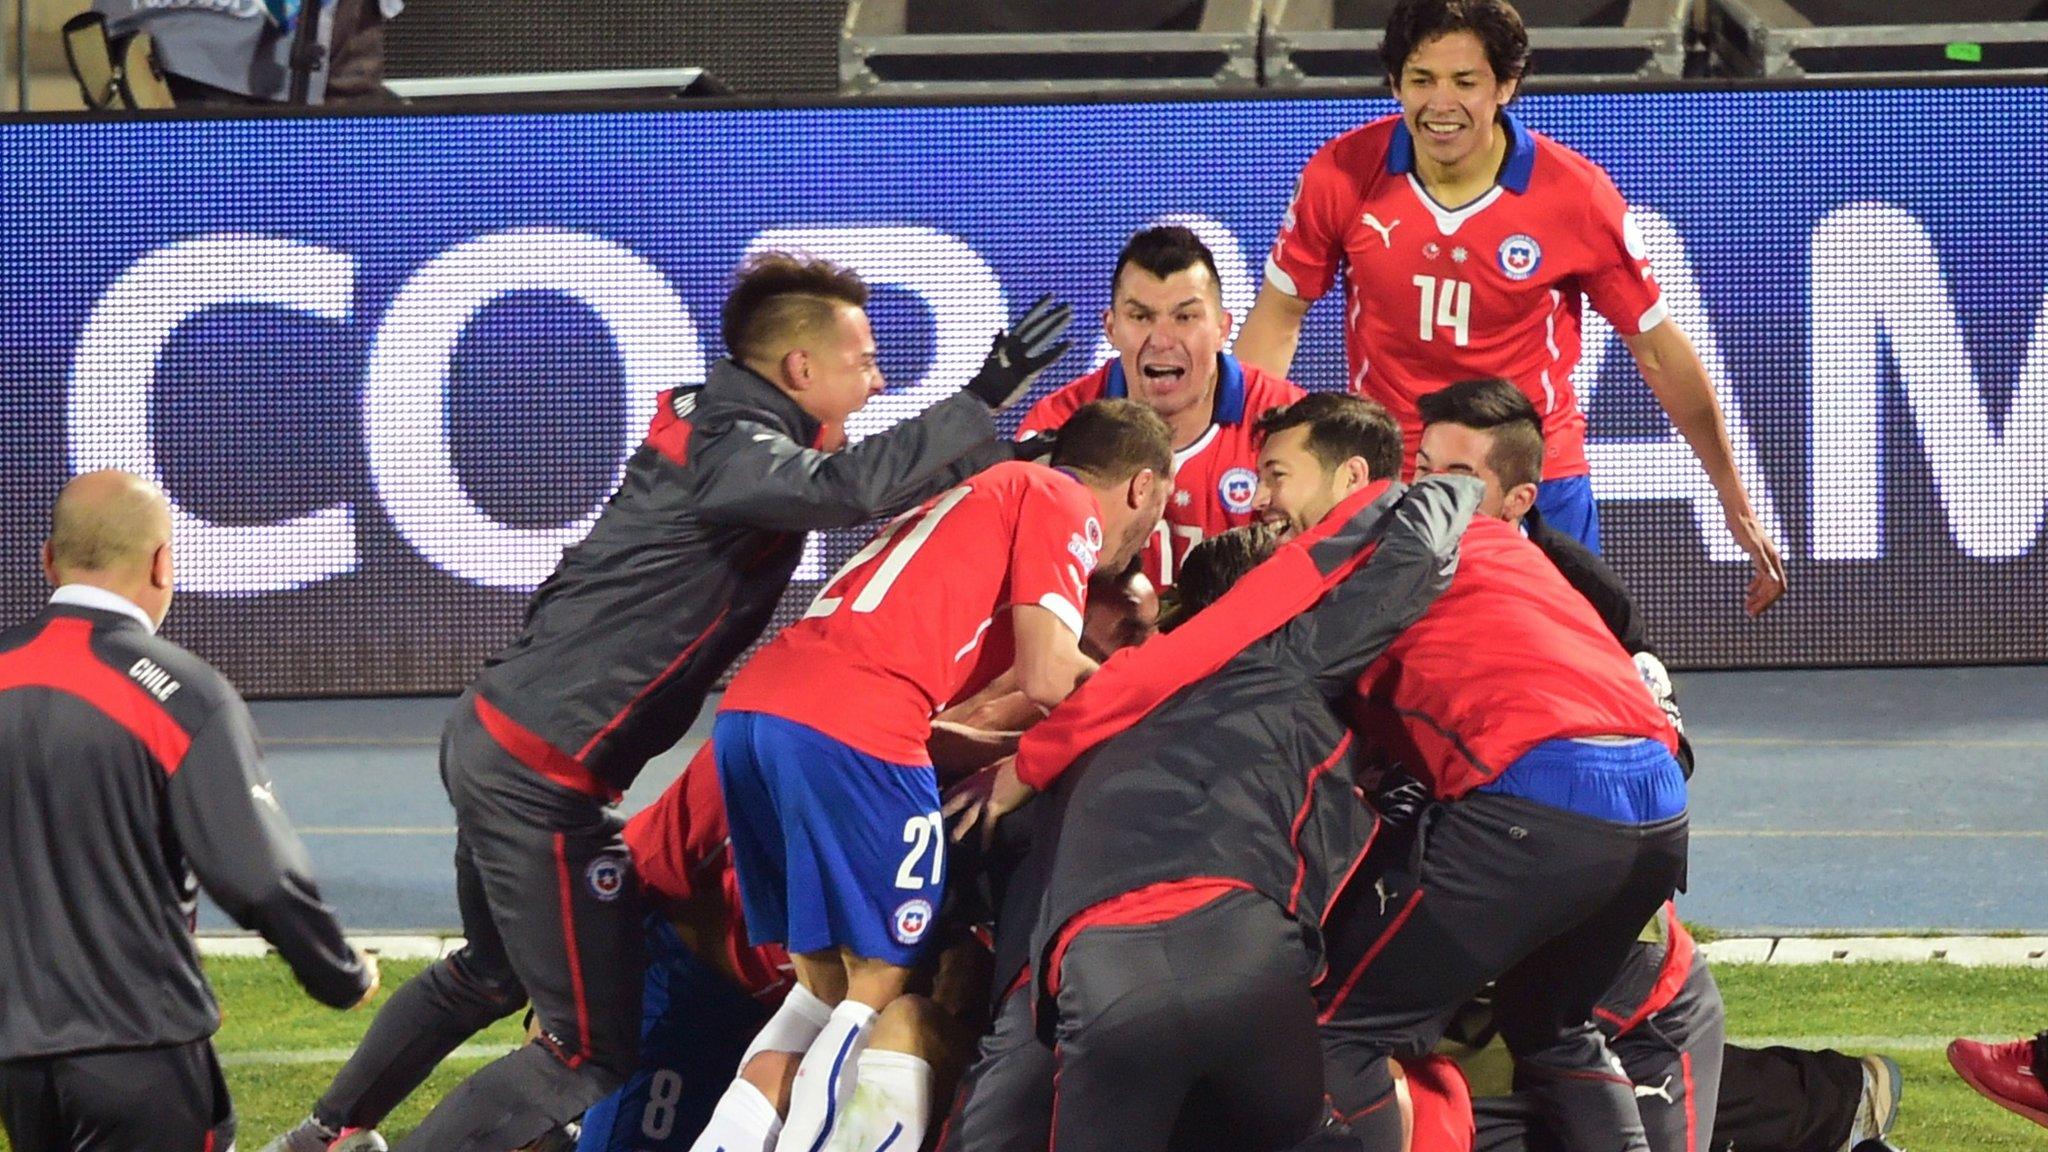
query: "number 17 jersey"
1496, 287
897, 632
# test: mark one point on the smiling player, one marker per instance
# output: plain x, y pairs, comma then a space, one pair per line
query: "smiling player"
1472, 244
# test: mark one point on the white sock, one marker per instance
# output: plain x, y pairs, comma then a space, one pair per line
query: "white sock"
744, 1121
891, 1104
824, 1081
793, 1027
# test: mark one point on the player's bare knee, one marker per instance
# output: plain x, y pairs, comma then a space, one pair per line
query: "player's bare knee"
911, 1024
875, 983
823, 974
772, 1073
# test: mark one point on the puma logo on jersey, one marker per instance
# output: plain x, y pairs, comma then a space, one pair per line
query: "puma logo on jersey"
1658, 1092
1379, 889
153, 678
1386, 231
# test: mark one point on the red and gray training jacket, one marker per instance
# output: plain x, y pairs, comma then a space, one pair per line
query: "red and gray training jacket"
128, 767
684, 567
1214, 754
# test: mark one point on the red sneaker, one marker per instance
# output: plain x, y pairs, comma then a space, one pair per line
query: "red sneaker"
2005, 1074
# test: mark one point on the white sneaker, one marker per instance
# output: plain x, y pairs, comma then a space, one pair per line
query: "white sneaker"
1878, 1110
309, 1136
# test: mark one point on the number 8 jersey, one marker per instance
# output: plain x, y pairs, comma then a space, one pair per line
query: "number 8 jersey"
899, 630
1494, 288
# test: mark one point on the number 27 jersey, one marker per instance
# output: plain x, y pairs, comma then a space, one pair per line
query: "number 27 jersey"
1495, 288
897, 632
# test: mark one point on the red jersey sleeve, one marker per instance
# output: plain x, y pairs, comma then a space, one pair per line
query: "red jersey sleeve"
1620, 284
1052, 410
1310, 246
1055, 548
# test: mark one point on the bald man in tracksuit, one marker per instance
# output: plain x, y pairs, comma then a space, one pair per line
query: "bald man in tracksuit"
128, 769
620, 646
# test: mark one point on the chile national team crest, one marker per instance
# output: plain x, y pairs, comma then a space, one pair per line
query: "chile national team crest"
607, 877
1236, 489
912, 919
1520, 256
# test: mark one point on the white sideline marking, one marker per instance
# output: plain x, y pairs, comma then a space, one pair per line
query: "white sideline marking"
377, 830
1869, 833
277, 1056
1857, 1045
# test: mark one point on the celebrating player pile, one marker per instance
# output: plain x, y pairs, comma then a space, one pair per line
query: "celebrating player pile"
1404, 757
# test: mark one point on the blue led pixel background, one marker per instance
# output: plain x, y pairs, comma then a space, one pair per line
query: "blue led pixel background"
388, 367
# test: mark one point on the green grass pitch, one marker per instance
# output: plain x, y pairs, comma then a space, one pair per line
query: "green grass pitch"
280, 1048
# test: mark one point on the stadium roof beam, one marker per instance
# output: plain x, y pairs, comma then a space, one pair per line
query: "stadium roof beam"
1848, 38
1335, 43
880, 53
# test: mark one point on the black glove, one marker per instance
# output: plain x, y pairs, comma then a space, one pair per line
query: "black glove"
1037, 446
1399, 798
1022, 353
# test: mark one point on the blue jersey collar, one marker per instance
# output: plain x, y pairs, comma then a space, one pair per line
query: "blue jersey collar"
1514, 174
1229, 387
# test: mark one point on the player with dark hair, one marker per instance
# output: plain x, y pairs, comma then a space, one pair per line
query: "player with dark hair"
708, 991
1510, 697
1662, 1017
1471, 244
130, 779
619, 647
1203, 816
822, 737
1167, 323
1317, 451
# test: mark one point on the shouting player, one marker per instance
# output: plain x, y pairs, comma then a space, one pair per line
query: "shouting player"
620, 644
834, 806
1471, 244
1168, 326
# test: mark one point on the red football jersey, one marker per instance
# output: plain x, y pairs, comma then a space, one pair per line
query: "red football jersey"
1468, 703
680, 845
1495, 288
1213, 478
894, 635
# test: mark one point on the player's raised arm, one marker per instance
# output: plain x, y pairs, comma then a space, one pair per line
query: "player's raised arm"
821, 353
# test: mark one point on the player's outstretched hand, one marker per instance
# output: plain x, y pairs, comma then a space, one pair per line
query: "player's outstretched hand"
376, 979
1021, 353
1769, 582
984, 798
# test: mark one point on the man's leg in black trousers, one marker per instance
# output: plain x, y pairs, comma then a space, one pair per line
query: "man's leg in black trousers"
1213, 1001
1674, 1058
450, 1000
1544, 1004
1489, 880
558, 883
1786, 1099
1005, 1099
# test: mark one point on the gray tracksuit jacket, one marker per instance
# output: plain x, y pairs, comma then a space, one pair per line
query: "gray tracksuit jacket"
128, 768
689, 559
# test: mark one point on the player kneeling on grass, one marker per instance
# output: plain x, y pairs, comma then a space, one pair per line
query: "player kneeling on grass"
834, 805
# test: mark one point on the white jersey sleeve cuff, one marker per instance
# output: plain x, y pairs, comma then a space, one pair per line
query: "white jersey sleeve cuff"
1655, 316
1063, 608
1278, 278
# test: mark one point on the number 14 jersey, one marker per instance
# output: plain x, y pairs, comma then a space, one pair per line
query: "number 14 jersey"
1495, 288
898, 631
